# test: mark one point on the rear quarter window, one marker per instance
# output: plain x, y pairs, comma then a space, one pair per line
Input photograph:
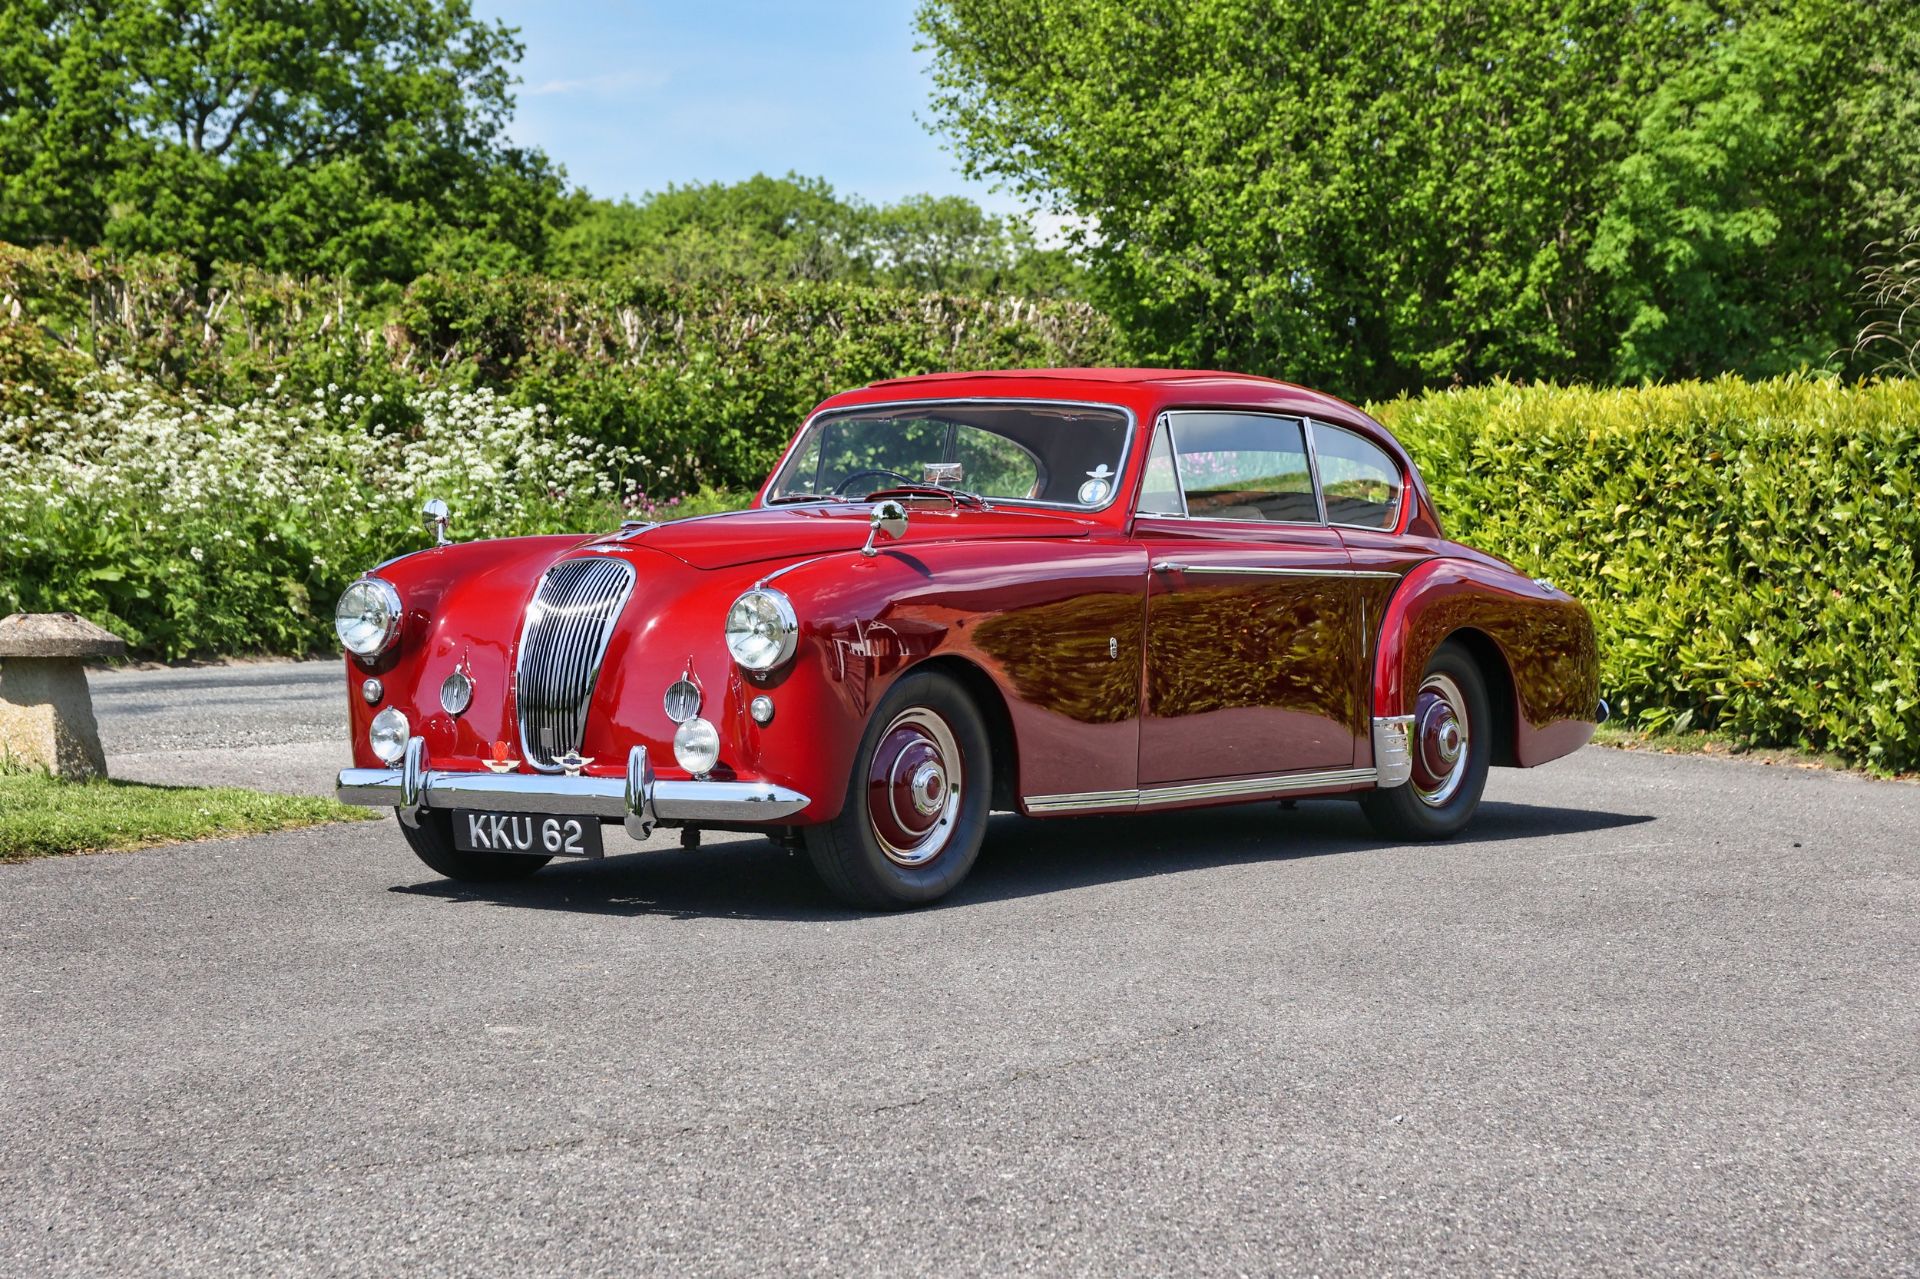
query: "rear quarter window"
1358, 479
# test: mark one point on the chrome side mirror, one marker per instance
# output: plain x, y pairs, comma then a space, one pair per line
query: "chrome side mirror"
434, 516
889, 517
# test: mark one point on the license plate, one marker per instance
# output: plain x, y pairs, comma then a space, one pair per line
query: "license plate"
476, 832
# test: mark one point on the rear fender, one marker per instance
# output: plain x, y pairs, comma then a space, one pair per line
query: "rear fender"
1543, 636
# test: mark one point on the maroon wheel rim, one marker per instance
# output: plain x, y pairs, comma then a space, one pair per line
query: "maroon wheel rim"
914, 782
1441, 736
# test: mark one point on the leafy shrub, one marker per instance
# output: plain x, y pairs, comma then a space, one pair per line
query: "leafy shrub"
198, 528
1889, 336
1748, 549
707, 380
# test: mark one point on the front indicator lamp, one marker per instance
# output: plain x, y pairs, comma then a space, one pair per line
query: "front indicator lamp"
762, 629
696, 746
388, 734
367, 618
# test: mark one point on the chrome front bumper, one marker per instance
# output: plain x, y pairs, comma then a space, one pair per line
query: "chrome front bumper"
638, 800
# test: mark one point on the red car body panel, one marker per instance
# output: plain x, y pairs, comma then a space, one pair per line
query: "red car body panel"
1107, 677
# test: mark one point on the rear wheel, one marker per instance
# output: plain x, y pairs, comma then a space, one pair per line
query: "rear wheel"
917, 802
432, 842
1452, 744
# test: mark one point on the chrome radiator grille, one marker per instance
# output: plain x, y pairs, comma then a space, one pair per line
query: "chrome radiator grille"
561, 647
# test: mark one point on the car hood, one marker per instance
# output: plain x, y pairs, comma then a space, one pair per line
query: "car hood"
798, 532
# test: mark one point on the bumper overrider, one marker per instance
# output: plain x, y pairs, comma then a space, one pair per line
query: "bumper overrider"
639, 801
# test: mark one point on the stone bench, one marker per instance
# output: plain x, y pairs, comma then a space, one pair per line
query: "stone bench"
46, 713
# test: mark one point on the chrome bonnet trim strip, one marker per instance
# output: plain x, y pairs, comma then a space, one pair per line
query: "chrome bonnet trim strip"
1254, 570
1188, 792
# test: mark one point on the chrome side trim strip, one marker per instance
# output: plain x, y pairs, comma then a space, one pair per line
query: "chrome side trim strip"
1251, 570
1392, 751
1189, 792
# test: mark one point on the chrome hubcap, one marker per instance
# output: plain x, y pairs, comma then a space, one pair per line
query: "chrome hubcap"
913, 787
1441, 737
929, 784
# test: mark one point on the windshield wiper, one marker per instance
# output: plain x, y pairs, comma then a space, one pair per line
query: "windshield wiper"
785, 498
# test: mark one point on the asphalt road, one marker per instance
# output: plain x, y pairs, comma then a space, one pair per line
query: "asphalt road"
1654, 1015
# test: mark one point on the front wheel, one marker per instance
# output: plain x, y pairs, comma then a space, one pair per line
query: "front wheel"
917, 803
1452, 745
432, 843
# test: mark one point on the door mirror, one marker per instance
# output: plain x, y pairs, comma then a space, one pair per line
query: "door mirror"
889, 517
434, 516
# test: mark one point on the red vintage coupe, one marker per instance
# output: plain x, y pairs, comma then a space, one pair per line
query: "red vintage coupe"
1048, 591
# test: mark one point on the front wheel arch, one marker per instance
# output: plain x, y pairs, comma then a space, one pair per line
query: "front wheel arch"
992, 704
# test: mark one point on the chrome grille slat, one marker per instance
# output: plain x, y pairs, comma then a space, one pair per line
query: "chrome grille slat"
562, 644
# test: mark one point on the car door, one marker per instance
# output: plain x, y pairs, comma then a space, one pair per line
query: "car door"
1254, 661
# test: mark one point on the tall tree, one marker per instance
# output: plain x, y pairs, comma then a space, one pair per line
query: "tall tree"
797, 228
359, 136
1385, 194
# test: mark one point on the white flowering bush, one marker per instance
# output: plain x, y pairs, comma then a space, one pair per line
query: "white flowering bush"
197, 528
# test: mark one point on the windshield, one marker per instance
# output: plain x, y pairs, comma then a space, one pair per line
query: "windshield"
1060, 455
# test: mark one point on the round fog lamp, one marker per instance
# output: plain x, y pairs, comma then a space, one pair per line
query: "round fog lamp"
388, 735
696, 745
456, 693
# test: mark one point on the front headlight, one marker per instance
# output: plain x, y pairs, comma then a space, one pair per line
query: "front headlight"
367, 618
762, 629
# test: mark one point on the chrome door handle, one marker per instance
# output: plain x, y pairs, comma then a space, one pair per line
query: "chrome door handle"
1168, 566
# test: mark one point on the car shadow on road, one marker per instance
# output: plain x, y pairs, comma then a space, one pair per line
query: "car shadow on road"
757, 879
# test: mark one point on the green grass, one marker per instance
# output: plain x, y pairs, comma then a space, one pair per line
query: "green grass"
1706, 742
42, 817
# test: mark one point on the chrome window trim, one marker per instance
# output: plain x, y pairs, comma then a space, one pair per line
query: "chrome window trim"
1392, 526
1173, 459
1186, 792
1120, 475
1313, 468
1306, 436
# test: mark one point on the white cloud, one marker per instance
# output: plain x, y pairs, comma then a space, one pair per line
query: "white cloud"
612, 82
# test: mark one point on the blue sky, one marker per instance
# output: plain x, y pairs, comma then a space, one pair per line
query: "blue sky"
631, 95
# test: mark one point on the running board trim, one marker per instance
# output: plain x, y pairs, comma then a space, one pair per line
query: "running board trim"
1194, 792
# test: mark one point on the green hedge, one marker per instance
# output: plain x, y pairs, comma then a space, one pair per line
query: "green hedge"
705, 382
1747, 549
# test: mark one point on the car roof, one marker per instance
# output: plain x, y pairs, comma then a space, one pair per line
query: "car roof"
1143, 392
1085, 375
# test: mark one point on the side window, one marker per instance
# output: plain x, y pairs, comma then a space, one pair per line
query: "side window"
1360, 482
1160, 488
1243, 466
